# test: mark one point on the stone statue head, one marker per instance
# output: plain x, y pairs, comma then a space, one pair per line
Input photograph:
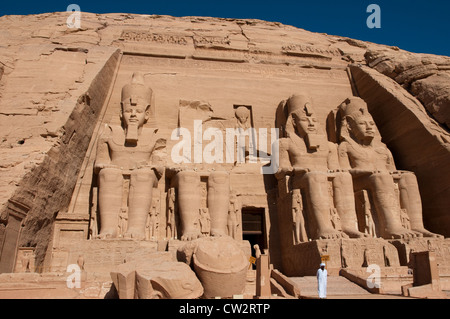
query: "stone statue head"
303, 115
135, 103
177, 286
242, 114
360, 123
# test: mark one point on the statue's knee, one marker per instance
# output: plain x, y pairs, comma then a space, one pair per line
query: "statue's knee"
188, 177
219, 177
110, 175
409, 178
316, 177
143, 175
342, 178
382, 178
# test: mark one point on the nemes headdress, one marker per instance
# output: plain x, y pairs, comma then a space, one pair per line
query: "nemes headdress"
354, 107
300, 104
137, 90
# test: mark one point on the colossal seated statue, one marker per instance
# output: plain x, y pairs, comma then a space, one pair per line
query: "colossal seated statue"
126, 152
373, 169
307, 154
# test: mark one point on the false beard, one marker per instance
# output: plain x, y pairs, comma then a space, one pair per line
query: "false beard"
313, 141
132, 133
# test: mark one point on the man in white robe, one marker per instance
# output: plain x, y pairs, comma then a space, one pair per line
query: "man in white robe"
322, 281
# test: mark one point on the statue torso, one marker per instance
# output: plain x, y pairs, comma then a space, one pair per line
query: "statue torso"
127, 156
367, 157
302, 157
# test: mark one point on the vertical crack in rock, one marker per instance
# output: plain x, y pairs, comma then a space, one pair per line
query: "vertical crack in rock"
243, 33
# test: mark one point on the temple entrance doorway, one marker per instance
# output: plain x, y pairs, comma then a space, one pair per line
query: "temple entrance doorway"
253, 227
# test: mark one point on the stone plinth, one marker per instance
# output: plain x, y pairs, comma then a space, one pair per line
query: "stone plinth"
100, 255
304, 259
441, 247
383, 280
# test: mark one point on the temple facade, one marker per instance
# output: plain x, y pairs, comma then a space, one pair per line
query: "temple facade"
292, 145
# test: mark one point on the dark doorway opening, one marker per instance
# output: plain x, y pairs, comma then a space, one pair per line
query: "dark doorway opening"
253, 227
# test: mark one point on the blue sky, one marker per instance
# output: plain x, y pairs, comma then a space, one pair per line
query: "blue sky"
417, 26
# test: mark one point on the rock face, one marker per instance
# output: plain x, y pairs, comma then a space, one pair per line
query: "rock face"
87, 160
425, 76
40, 164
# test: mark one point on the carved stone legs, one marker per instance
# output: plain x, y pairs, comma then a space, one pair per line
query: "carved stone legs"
140, 200
189, 203
218, 201
411, 201
110, 201
110, 182
345, 204
316, 186
382, 188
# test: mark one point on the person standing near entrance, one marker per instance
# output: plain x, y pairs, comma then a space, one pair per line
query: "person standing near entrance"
322, 281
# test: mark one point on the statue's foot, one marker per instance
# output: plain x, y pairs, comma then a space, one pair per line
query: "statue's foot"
402, 233
353, 233
106, 234
426, 233
218, 233
331, 234
134, 234
191, 235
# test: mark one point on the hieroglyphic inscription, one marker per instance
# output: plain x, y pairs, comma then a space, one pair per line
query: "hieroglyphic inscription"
138, 36
147, 36
211, 40
311, 49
